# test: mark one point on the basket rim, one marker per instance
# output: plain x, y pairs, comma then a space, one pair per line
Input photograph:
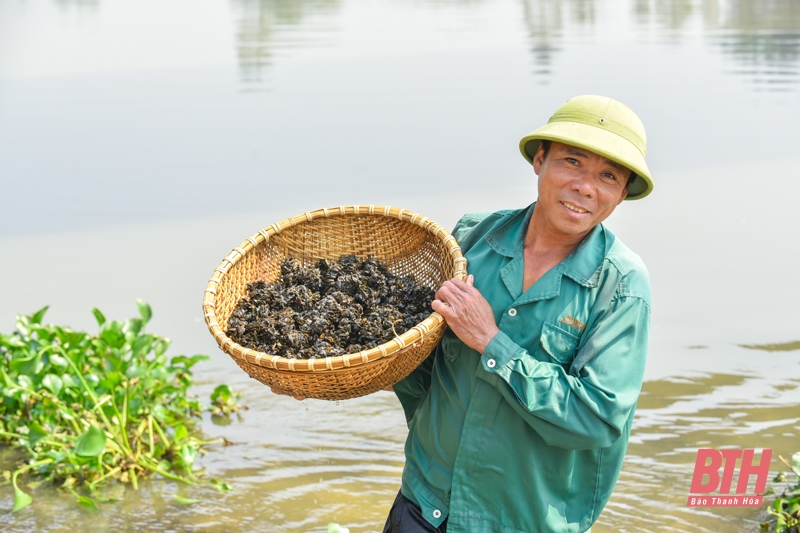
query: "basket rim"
432, 324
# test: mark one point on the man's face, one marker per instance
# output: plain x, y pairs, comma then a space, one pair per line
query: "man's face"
578, 189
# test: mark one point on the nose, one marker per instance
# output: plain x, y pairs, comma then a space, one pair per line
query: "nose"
583, 184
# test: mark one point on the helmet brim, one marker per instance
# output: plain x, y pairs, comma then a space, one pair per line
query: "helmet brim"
598, 140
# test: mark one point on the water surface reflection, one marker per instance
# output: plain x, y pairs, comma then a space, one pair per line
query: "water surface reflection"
267, 27
88, 5
762, 38
544, 20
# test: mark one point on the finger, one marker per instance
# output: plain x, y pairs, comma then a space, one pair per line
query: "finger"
445, 286
440, 294
466, 288
459, 285
458, 296
443, 308
448, 293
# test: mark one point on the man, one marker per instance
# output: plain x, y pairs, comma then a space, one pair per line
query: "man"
519, 419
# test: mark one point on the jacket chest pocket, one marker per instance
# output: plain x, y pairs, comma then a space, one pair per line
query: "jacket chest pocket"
451, 345
559, 344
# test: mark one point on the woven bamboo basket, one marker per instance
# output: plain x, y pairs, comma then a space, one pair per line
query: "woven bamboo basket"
407, 243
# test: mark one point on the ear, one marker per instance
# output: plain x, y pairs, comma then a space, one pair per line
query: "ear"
538, 159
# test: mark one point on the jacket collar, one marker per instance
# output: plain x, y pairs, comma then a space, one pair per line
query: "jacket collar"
584, 265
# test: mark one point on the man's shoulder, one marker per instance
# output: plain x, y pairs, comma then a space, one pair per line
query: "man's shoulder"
470, 222
634, 280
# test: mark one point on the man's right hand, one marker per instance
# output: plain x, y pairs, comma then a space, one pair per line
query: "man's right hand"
467, 312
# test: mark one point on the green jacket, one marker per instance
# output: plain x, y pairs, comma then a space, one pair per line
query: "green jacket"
530, 435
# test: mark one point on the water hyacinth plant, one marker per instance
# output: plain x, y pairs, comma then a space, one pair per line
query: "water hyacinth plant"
89, 409
785, 510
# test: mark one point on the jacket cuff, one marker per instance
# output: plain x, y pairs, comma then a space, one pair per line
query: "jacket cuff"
500, 350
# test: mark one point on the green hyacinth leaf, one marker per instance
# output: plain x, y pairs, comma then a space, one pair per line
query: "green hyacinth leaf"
91, 443
35, 433
113, 338
21, 500
181, 434
144, 311
222, 393
29, 366
25, 382
37, 317
221, 485
57, 360
100, 317
70, 382
53, 383
184, 501
188, 454
188, 362
87, 503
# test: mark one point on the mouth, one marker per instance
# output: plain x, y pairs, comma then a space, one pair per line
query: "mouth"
574, 208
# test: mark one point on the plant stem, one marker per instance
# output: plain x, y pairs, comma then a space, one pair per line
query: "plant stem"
124, 425
150, 431
73, 421
108, 474
143, 463
28, 467
78, 373
207, 442
123, 437
132, 476
160, 433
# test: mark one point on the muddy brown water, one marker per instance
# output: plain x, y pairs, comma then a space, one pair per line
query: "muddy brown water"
141, 141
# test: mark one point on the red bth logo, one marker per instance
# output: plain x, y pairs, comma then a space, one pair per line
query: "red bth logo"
707, 478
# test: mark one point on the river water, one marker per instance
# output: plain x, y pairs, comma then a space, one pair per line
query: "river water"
141, 140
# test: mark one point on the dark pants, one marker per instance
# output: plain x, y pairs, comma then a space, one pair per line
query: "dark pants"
406, 517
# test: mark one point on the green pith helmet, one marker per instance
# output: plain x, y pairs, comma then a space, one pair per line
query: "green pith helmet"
603, 126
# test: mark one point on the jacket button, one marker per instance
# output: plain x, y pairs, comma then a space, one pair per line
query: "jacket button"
512, 312
437, 513
491, 363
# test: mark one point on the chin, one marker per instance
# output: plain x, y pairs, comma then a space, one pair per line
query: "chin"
574, 227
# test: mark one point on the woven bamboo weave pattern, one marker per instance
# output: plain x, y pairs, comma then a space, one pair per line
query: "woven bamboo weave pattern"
407, 243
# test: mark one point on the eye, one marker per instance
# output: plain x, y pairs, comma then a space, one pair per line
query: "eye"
610, 176
572, 160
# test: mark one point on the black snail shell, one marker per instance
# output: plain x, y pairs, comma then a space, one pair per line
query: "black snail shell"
328, 309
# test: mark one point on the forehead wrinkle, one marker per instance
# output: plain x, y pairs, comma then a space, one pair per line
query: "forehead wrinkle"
571, 150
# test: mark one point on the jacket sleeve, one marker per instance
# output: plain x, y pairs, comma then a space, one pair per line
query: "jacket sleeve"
411, 389
584, 407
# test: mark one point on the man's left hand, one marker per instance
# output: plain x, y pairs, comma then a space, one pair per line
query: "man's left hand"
467, 312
